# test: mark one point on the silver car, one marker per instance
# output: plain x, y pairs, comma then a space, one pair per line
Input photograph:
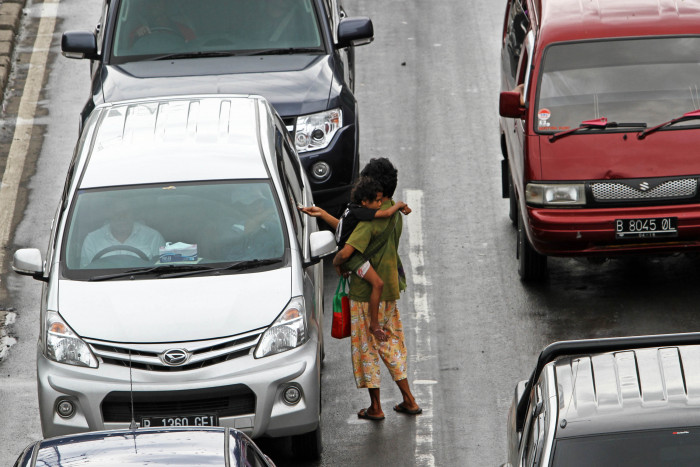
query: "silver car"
182, 284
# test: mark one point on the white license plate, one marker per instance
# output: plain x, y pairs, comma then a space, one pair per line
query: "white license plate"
650, 227
188, 420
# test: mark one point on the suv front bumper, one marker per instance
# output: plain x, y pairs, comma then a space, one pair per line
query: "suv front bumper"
342, 157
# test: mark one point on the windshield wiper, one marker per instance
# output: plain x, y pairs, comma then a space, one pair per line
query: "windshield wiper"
597, 124
193, 55
170, 268
695, 114
286, 51
237, 265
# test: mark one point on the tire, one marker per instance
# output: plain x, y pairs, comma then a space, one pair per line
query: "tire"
512, 202
532, 266
308, 446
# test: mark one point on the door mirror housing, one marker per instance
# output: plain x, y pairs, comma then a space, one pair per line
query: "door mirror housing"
355, 31
79, 44
27, 262
321, 245
509, 105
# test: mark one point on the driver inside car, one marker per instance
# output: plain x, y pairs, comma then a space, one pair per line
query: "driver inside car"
157, 17
122, 230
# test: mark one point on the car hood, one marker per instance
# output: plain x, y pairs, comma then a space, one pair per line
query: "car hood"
611, 156
294, 84
174, 310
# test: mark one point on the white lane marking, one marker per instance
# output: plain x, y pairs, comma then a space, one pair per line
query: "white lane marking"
421, 327
24, 125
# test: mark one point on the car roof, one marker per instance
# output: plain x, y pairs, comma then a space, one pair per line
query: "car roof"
171, 139
155, 446
633, 389
569, 20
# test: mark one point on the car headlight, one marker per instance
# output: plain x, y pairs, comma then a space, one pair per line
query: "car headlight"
316, 131
64, 346
287, 332
559, 194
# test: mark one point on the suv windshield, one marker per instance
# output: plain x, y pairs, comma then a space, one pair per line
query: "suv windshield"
148, 29
660, 448
189, 226
632, 80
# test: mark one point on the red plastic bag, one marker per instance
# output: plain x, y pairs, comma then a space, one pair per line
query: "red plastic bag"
341, 311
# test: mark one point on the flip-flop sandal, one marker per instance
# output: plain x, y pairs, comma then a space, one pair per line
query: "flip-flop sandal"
402, 409
366, 416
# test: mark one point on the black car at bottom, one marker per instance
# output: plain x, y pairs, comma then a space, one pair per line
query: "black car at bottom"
156, 447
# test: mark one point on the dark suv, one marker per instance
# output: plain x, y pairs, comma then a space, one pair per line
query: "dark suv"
625, 401
297, 53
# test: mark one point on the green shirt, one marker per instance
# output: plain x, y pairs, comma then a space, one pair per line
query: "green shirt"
384, 262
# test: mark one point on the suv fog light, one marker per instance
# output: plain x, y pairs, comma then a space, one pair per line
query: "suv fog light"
65, 409
321, 170
292, 395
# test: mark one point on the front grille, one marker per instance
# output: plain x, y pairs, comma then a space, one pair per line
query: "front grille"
202, 354
224, 401
644, 189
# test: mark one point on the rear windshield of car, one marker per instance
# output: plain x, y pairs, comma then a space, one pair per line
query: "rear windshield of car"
152, 448
626, 81
147, 29
660, 448
185, 225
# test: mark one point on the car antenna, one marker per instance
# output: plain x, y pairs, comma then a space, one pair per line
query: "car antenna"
132, 425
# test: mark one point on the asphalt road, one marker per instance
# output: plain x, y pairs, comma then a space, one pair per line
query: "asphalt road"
428, 89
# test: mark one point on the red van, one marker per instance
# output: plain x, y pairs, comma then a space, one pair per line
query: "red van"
600, 127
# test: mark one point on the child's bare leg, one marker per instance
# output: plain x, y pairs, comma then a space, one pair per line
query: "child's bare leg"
377, 284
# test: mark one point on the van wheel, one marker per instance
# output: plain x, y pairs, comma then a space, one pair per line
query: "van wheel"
532, 266
512, 202
308, 446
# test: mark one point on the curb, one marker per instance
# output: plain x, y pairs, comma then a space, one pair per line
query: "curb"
10, 16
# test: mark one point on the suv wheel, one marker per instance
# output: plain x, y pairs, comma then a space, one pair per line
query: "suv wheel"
532, 266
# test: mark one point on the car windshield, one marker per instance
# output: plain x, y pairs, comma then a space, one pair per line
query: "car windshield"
632, 80
148, 29
660, 448
171, 227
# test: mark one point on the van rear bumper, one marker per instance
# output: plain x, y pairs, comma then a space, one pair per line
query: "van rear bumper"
591, 232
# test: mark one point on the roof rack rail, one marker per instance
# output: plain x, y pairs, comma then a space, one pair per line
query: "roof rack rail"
590, 346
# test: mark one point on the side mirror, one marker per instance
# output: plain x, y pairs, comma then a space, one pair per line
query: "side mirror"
509, 105
27, 262
322, 244
355, 31
79, 44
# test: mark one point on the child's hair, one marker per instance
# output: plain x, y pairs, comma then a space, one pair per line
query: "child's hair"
365, 189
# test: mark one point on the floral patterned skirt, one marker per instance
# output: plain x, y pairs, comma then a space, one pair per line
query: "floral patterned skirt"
367, 350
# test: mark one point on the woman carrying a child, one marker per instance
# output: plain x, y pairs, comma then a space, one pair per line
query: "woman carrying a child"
376, 333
